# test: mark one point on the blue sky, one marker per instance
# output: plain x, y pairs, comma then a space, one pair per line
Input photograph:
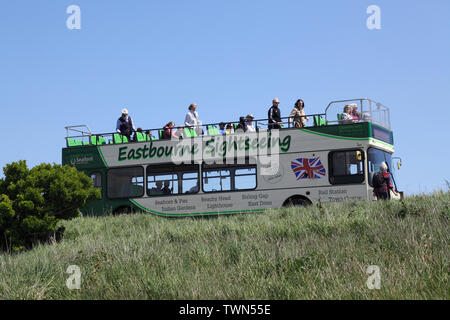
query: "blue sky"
231, 57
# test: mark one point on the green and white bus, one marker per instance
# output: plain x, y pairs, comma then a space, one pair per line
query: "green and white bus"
328, 160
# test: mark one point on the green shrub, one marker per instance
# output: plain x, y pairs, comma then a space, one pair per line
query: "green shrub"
33, 201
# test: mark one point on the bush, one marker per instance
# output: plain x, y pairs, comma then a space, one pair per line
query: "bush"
33, 201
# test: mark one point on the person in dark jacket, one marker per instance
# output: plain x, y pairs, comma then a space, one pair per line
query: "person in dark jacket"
242, 125
382, 184
274, 115
125, 125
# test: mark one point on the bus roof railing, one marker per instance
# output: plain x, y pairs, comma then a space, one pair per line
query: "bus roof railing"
370, 111
88, 138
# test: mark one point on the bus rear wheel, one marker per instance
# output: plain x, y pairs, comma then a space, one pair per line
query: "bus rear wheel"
122, 210
297, 201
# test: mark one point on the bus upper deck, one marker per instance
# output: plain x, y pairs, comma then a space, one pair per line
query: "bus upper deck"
373, 122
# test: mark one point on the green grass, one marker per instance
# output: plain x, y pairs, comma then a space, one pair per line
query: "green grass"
319, 252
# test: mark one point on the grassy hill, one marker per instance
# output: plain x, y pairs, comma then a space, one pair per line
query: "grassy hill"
320, 252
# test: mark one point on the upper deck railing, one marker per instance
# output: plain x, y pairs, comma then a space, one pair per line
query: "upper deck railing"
369, 111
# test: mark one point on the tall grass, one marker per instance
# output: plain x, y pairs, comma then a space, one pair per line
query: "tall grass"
318, 252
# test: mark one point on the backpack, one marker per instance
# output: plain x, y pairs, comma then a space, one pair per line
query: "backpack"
378, 180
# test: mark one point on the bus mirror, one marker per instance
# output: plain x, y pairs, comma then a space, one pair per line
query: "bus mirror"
358, 155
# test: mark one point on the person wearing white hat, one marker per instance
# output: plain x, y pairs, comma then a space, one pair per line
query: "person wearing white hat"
249, 123
125, 125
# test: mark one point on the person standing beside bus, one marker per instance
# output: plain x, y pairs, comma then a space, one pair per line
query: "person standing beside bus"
298, 114
192, 120
125, 125
381, 183
274, 115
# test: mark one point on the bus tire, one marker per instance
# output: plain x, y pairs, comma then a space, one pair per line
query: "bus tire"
297, 201
122, 210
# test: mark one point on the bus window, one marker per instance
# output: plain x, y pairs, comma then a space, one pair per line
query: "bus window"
190, 182
374, 159
125, 182
346, 167
96, 179
245, 179
216, 180
162, 184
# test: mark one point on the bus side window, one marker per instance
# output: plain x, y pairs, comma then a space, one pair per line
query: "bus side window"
245, 179
96, 179
216, 180
162, 184
125, 182
346, 166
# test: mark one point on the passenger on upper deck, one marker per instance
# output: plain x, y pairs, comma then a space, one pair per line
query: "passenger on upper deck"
180, 132
274, 115
249, 123
355, 114
125, 125
168, 132
242, 126
192, 120
346, 115
222, 129
297, 114
229, 129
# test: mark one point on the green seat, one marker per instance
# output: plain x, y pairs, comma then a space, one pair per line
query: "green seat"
319, 121
160, 134
74, 143
141, 137
96, 141
118, 138
190, 133
213, 131
339, 117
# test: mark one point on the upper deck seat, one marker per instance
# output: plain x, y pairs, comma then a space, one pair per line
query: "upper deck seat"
141, 137
97, 141
73, 142
190, 133
118, 138
213, 131
319, 121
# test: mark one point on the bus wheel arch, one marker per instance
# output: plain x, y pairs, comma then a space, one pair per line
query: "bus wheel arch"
122, 210
297, 201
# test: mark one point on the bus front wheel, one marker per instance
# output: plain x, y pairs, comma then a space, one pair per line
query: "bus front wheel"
297, 201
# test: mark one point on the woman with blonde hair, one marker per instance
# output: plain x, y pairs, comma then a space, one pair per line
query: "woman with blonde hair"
298, 114
346, 115
168, 132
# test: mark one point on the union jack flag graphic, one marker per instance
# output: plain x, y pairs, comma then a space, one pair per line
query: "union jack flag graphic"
305, 168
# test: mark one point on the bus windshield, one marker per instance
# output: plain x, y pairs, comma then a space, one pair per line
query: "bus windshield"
375, 157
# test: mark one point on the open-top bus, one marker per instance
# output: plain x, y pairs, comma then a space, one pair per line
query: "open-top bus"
207, 173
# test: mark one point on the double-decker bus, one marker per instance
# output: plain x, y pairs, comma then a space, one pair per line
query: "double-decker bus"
207, 173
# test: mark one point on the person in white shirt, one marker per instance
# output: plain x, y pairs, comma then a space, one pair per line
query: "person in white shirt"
249, 123
192, 120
